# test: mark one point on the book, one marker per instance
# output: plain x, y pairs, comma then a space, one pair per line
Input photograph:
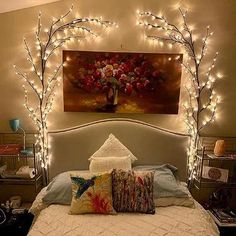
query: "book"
10, 149
220, 223
224, 215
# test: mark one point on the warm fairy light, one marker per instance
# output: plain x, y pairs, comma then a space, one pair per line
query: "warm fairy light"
219, 75
195, 109
59, 32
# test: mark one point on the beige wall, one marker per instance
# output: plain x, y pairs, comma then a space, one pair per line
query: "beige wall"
220, 14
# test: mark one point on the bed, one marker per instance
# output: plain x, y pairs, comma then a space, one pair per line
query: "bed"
70, 150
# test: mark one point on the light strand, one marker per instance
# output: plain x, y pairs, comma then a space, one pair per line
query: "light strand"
198, 114
38, 81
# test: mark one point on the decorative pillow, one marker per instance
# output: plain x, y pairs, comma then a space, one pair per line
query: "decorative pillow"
113, 147
92, 194
109, 163
165, 182
59, 189
133, 191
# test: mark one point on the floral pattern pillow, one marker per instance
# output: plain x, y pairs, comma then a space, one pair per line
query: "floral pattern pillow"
133, 191
92, 193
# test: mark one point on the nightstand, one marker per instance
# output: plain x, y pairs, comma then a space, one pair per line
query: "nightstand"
16, 224
17, 168
18, 160
211, 173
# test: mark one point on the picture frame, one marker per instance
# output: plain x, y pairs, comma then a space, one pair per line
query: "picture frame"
215, 174
121, 82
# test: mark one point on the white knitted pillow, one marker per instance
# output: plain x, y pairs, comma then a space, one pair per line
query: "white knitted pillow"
112, 147
103, 164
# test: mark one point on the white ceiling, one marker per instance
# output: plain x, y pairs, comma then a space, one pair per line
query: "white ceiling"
11, 5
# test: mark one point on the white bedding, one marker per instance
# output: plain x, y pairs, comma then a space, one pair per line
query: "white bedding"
168, 221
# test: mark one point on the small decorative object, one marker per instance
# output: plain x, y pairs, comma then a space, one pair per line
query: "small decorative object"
220, 198
15, 201
2, 170
15, 126
2, 216
219, 149
26, 172
216, 174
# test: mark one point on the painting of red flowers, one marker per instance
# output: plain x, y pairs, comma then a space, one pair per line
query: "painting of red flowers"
121, 82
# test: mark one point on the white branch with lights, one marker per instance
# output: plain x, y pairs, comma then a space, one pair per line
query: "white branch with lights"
40, 80
200, 107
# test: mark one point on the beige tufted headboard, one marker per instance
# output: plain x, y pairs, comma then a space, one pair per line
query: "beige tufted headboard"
71, 148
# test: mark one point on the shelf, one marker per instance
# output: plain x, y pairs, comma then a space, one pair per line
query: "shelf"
17, 155
201, 182
22, 181
9, 155
207, 158
205, 183
27, 152
17, 158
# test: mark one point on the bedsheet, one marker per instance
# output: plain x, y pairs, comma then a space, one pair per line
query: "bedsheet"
168, 221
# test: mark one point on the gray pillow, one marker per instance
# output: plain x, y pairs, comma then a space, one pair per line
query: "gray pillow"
59, 190
165, 181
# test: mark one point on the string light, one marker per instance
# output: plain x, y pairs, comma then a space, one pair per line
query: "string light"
58, 33
200, 110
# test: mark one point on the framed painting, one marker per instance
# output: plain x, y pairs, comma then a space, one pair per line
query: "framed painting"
121, 82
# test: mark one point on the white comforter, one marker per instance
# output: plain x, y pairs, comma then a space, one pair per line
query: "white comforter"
168, 221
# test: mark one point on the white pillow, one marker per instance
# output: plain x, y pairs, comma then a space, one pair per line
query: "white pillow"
108, 163
186, 201
112, 147
38, 203
174, 201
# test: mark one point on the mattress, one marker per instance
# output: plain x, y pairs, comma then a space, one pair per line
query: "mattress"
168, 221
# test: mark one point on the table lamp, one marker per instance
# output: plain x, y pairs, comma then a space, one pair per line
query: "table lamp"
15, 126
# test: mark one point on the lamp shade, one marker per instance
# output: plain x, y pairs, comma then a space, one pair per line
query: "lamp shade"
14, 124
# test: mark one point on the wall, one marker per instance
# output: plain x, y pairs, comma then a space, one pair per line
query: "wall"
220, 14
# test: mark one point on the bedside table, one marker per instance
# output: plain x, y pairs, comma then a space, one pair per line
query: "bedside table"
226, 229
16, 224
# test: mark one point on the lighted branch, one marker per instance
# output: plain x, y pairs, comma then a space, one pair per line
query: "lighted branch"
41, 81
200, 107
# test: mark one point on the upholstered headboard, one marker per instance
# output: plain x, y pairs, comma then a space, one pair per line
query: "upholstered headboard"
71, 148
